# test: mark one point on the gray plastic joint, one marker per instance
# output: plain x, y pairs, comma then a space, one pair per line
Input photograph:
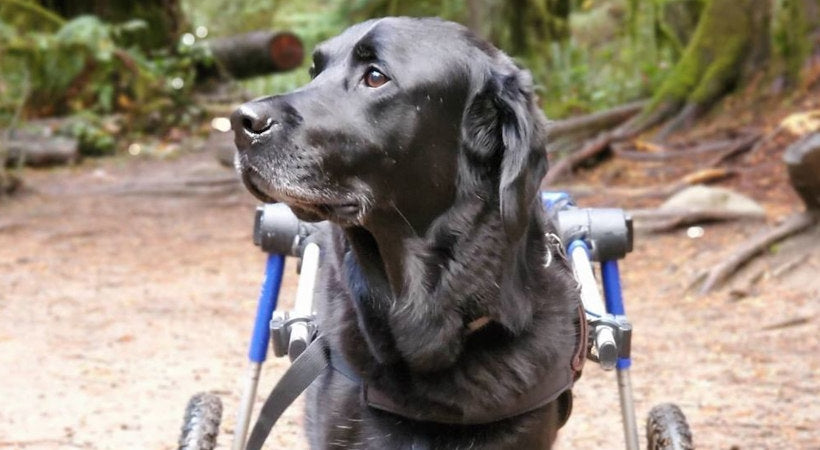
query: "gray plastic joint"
611, 339
281, 326
607, 231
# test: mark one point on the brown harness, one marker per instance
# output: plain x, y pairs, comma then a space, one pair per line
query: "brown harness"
546, 391
317, 358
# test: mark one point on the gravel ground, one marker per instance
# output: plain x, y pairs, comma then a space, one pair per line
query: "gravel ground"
121, 296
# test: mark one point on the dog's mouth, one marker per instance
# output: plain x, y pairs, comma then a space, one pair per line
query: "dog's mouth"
305, 204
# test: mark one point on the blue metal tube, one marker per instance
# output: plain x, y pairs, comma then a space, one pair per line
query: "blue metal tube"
613, 297
612, 288
267, 304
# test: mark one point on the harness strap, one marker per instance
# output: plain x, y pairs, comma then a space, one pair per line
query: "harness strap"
580, 355
544, 392
306, 368
316, 359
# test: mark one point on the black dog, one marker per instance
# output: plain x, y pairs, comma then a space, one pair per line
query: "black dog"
448, 315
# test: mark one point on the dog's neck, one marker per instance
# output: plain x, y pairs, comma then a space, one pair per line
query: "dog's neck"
427, 289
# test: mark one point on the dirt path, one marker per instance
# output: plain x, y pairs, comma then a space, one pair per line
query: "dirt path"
116, 308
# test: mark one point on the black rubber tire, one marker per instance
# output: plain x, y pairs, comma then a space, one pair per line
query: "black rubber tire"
666, 429
201, 423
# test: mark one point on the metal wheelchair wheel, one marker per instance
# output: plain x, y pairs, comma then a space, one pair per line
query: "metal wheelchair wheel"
201, 423
666, 429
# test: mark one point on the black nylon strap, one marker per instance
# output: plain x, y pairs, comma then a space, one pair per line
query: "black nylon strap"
306, 368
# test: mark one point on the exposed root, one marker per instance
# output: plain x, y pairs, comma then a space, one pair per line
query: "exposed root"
660, 220
792, 225
645, 121
594, 122
724, 148
742, 145
590, 149
684, 119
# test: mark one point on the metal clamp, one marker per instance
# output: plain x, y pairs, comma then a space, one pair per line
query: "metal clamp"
281, 332
610, 339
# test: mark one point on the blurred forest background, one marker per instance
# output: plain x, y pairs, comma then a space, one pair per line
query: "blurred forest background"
624, 77
121, 69
126, 279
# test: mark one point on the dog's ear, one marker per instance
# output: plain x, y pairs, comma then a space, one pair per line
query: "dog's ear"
503, 124
524, 162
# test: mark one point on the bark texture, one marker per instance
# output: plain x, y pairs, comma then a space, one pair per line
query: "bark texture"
731, 42
255, 53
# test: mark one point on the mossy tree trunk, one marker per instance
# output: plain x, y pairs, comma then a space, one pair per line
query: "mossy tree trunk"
528, 27
731, 35
734, 42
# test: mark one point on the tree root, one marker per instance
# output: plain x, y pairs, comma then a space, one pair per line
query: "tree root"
742, 145
703, 176
657, 220
792, 225
627, 130
724, 148
594, 122
567, 164
645, 120
684, 119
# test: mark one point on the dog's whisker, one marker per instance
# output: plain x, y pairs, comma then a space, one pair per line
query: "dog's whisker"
393, 204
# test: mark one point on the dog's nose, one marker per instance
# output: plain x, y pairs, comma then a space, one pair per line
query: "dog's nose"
252, 118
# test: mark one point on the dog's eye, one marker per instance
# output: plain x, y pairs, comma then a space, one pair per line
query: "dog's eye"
373, 78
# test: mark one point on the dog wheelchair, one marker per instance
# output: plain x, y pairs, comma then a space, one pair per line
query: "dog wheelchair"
592, 234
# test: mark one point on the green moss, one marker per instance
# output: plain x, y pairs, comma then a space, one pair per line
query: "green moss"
713, 59
789, 36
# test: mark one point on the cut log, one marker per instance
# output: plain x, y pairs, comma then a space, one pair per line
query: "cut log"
802, 159
41, 151
253, 54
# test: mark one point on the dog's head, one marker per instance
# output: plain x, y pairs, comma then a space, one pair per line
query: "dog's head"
402, 116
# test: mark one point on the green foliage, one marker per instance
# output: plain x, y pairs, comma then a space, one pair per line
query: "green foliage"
28, 15
601, 65
86, 66
95, 137
713, 60
596, 66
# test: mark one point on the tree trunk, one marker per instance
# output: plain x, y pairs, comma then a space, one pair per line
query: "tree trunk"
731, 37
734, 42
676, 22
531, 26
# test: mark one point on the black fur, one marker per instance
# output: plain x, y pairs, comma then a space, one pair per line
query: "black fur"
431, 180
